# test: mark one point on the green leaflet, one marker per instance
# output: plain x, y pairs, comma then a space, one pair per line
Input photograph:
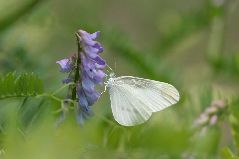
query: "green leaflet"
22, 85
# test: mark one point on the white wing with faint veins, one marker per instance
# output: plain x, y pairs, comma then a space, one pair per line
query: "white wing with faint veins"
133, 99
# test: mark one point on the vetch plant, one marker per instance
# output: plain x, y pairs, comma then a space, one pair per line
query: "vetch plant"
85, 70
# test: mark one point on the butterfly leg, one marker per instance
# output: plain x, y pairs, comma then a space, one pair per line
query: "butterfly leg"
104, 90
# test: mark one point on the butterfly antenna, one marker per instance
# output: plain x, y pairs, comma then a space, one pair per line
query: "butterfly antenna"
108, 72
109, 68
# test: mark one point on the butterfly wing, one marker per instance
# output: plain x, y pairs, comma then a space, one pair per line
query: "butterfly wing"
133, 99
127, 109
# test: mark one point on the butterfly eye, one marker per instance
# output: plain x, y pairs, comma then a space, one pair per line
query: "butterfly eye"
111, 80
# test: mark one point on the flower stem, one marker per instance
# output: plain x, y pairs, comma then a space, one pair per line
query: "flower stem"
50, 96
77, 72
63, 87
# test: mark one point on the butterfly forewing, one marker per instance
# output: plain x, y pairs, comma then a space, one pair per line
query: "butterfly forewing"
134, 99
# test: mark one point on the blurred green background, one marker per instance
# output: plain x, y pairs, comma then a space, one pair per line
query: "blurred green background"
192, 45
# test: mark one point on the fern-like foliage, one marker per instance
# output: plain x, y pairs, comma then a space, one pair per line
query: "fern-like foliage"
22, 85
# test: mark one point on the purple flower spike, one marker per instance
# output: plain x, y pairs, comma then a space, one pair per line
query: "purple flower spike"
92, 66
86, 70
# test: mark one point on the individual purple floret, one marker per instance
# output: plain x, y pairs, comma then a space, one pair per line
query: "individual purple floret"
86, 70
67, 64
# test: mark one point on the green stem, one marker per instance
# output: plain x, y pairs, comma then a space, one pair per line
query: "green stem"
50, 96
77, 72
63, 87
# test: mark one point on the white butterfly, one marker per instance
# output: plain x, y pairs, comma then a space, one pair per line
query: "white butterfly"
133, 99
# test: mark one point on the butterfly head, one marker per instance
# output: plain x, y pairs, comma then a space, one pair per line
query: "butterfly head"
111, 80
112, 75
